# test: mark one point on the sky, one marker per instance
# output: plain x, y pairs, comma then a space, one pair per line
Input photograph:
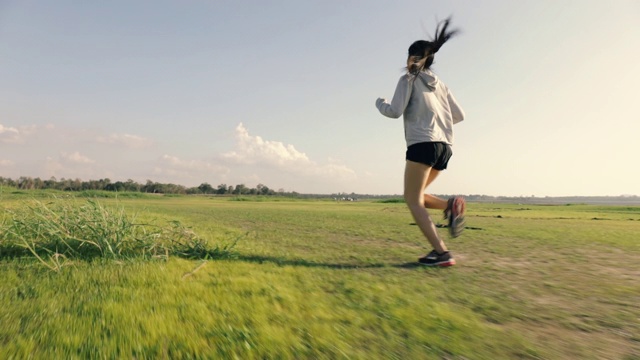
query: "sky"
282, 93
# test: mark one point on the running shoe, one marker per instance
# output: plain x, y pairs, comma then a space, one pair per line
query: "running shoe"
435, 259
455, 215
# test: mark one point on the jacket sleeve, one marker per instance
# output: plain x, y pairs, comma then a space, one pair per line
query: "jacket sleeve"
456, 111
400, 99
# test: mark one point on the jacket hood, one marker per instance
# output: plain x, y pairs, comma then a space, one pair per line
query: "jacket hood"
429, 79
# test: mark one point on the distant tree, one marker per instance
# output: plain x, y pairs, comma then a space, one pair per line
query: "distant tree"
151, 187
7, 182
25, 183
222, 189
131, 185
102, 183
241, 189
38, 183
174, 189
205, 188
75, 185
118, 186
92, 185
264, 190
51, 183
28, 183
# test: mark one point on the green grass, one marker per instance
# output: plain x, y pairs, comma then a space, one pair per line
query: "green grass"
9, 192
323, 279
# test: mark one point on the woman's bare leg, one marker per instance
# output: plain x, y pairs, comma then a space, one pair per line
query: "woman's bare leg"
416, 178
434, 202
430, 201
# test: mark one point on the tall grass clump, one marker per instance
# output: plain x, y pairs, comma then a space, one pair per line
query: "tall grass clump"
60, 230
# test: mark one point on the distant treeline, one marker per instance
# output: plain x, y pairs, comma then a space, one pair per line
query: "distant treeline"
29, 183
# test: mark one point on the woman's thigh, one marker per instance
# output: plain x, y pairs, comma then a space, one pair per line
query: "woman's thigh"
416, 177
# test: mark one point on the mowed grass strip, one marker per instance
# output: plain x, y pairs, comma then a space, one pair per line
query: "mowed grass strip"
321, 279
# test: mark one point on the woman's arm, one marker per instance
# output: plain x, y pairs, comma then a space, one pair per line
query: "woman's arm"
457, 113
400, 99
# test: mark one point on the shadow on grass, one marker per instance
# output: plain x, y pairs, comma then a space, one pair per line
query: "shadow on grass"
446, 226
311, 264
189, 251
13, 253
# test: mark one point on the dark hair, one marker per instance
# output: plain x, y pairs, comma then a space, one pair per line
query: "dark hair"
423, 51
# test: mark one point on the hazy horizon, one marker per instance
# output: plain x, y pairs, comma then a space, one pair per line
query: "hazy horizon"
276, 191
283, 94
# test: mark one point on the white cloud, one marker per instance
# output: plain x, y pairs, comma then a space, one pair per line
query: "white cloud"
178, 163
18, 135
9, 134
85, 154
4, 129
77, 158
174, 169
128, 140
252, 150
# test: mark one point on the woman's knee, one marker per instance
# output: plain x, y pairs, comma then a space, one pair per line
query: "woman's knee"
419, 212
411, 199
413, 202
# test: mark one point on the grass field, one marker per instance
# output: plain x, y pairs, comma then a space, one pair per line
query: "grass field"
327, 280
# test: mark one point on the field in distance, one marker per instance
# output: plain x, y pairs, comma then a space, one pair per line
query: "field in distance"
325, 279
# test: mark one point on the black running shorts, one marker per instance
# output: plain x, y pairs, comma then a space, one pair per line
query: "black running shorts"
434, 154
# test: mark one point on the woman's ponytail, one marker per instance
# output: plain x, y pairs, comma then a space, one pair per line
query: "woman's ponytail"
421, 52
442, 35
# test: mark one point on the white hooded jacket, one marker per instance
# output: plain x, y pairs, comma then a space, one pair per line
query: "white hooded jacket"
429, 108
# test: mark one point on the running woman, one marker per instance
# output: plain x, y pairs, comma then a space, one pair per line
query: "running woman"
429, 111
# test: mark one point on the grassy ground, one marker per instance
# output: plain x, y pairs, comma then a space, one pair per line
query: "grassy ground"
323, 279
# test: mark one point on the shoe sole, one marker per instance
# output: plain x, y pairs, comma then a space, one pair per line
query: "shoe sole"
456, 224
457, 227
440, 264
